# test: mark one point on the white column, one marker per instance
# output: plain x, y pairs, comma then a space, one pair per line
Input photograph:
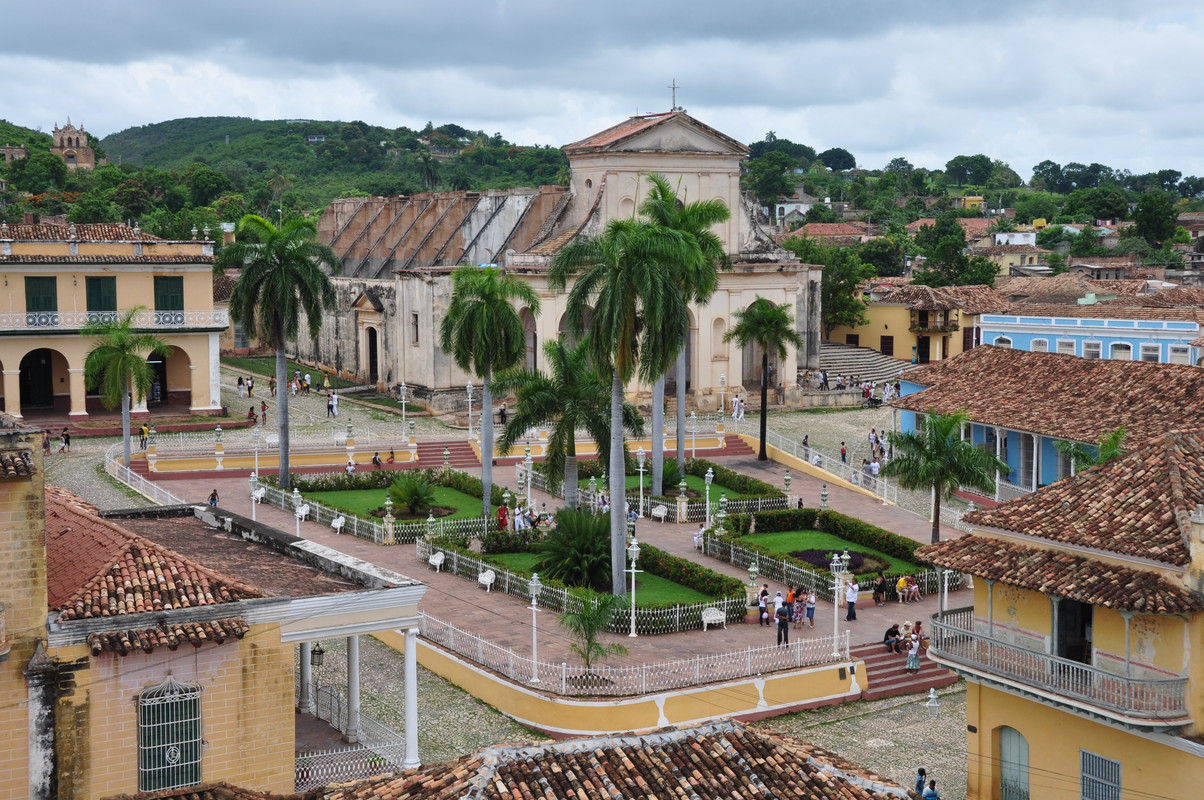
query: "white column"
353, 689
1036, 459
215, 374
306, 703
411, 700
998, 454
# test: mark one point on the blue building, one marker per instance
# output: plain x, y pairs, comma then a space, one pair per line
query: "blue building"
1022, 403
1106, 330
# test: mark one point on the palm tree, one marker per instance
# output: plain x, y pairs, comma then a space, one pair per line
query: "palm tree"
428, 170
937, 458
483, 332
769, 327
698, 281
116, 364
572, 396
280, 278
637, 313
587, 625
1110, 446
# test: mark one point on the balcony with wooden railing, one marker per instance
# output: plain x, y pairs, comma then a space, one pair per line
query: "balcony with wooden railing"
1142, 700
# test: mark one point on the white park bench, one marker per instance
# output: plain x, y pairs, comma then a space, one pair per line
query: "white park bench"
660, 512
258, 495
436, 560
713, 616
337, 524
486, 579
303, 512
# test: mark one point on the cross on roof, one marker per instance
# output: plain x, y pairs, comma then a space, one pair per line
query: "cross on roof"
674, 87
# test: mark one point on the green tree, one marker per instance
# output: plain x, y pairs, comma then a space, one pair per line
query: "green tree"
483, 332
1155, 218
820, 213
1110, 446
767, 177
842, 274
937, 458
94, 206
280, 278
587, 626
637, 317
40, 171
428, 170
769, 327
412, 492
577, 551
885, 255
838, 159
116, 365
698, 280
1035, 206
571, 397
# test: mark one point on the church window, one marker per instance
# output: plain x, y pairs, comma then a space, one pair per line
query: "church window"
169, 736
414, 328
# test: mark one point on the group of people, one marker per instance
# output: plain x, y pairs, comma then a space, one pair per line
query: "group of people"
64, 442
262, 417
377, 463
737, 408
797, 605
246, 388
332, 405
524, 518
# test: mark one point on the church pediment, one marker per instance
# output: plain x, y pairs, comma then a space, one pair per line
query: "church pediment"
675, 132
368, 301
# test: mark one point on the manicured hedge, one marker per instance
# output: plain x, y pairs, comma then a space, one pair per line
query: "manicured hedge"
828, 521
382, 479
655, 561
736, 481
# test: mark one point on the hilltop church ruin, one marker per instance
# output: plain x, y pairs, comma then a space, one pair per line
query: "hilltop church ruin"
398, 254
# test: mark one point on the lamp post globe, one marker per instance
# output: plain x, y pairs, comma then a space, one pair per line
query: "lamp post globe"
640, 455
710, 476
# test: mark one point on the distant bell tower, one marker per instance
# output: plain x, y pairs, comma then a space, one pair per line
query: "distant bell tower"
71, 145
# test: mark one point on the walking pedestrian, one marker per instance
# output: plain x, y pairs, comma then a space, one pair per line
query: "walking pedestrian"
326, 382
810, 608
843, 454
143, 433
735, 406
931, 793
45, 443
65, 441
334, 399
250, 387
921, 776
501, 414
263, 412
741, 410
242, 387
330, 406
850, 597
272, 385
783, 618
763, 605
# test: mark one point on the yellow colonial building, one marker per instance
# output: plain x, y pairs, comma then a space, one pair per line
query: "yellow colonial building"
917, 323
161, 649
1084, 649
58, 278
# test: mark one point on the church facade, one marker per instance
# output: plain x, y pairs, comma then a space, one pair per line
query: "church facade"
398, 254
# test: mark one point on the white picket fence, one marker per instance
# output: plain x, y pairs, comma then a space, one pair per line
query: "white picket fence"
879, 487
791, 574
649, 621
148, 489
575, 681
244, 440
372, 530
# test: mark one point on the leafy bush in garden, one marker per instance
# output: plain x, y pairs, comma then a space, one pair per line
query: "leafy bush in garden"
500, 541
736, 481
655, 561
382, 479
577, 551
412, 492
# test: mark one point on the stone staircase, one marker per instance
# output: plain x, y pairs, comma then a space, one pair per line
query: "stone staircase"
460, 454
864, 362
885, 676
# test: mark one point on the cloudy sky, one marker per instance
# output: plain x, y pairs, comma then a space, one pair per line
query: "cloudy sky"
1110, 81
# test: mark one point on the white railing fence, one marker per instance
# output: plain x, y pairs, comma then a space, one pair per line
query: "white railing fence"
244, 441
381, 749
378, 532
148, 489
878, 486
662, 676
649, 621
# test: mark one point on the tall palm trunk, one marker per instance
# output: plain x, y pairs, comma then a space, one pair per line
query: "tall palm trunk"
936, 515
125, 422
618, 484
658, 438
681, 407
762, 455
570, 475
486, 444
282, 417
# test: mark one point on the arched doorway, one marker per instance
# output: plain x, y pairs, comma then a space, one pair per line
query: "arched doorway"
1013, 764
751, 362
373, 357
530, 339
172, 381
44, 383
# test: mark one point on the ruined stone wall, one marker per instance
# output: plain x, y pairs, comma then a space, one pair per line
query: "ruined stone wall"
340, 346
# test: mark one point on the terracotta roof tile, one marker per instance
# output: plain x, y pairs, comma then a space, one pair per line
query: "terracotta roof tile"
829, 229
171, 636
722, 760
1114, 309
90, 232
1062, 396
1178, 297
976, 299
1062, 574
1064, 288
97, 569
29, 258
17, 464
632, 126
204, 791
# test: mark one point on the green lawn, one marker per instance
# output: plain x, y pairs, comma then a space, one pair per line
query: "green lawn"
266, 366
692, 481
649, 589
792, 541
362, 501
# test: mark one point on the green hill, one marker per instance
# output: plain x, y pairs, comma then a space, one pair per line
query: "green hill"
16, 135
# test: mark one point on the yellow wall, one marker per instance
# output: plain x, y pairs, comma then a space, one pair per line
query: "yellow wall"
1148, 768
247, 709
567, 716
134, 288
894, 320
23, 592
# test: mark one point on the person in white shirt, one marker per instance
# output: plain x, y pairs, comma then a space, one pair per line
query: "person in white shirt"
334, 403
850, 597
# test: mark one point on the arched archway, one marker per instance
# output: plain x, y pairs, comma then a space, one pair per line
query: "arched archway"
562, 328
172, 381
1013, 764
751, 366
44, 384
373, 355
530, 339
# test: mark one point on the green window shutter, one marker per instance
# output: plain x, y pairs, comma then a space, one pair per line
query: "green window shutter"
41, 301
102, 293
169, 300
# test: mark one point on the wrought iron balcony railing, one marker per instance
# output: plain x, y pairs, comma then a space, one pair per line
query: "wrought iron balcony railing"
73, 320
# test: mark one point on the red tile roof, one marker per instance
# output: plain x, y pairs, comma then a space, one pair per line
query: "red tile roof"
629, 128
95, 568
828, 229
977, 299
1136, 505
91, 232
205, 791
171, 636
1065, 288
1062, 396
17, 464
1178, 297
1004, 249
1062, 574
30, 258
719, 761
1113, 309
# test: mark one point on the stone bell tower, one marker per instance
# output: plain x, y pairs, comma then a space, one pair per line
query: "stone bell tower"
71, 145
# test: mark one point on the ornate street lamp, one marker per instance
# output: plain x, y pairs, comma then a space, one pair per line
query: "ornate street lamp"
633, 555
753, 572
722, 397
722, 517
640, 455
823, 497
317, 655
401, 390
534, 587
933, 704
593, 493
837, 567
693, 434
710, 476
528, 465
469, 388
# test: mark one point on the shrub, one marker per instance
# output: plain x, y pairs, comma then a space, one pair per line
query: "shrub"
383, 479
577, 551
736, 481
828, 521
859, 563
413, 492
655, 561
500, 541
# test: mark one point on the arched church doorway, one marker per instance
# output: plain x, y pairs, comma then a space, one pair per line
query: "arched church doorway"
43, 375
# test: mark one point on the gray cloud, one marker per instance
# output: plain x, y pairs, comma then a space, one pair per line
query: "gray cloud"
926, 80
